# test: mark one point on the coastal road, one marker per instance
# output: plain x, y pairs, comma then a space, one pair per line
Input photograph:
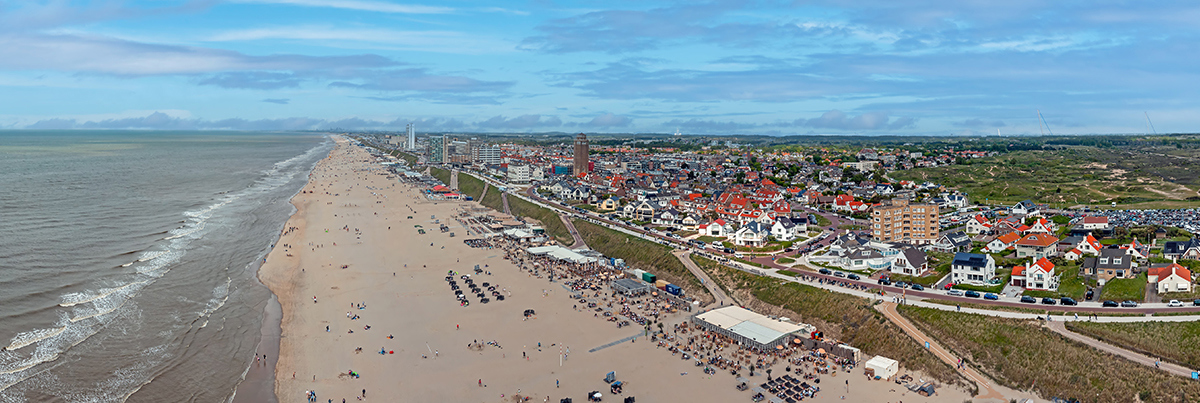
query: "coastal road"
1060, 327
717, 293
986, 390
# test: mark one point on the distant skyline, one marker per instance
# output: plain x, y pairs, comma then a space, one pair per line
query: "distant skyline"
871, 67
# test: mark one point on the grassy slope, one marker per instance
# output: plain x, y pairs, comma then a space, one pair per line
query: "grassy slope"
550, 221
641, 254
1173, 341
1019, 352
1131, 289
1080, 175
471, 186
844, 317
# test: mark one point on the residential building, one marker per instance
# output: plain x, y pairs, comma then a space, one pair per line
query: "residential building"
518, 174
1026, 207
438, 149
487, 155
1037, 246
753, 234
581, 154
910, 261
1189, 249
1111, 263
953, 242
717, 228
978, 225
972, 268
1002, 242
1095, 223
1170, 278
898, 221
1038, 275
786, 229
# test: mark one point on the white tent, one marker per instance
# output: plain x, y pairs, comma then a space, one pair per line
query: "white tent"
884, 367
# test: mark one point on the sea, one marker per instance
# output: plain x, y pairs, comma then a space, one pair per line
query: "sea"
128, 259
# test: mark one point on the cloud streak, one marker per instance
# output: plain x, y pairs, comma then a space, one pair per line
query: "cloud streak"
358, 5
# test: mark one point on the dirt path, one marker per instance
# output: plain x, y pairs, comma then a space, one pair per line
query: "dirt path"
1060, 327
986, 390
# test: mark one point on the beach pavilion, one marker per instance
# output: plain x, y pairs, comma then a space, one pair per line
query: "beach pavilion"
749, 328
631, 287
561, 253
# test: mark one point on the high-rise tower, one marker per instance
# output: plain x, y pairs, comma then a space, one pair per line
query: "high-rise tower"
412, 137
581, 154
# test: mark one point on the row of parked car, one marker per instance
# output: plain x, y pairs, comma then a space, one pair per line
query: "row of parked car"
828, 272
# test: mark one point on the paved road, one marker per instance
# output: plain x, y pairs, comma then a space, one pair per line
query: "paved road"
574, 233
484, 193
986, 390
1061, 328
717, 293
504, 197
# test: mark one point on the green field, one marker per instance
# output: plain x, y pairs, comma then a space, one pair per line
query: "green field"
1021, 353
1072, 176
1125, 289
844, 317
1173, 341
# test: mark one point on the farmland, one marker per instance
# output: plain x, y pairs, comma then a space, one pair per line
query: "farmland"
1138, 178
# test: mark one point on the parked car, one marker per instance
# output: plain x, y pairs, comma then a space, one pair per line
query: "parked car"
839, 274
990, 296
1110, 304
1174, 303
1129, 304
918, 287
1090, 294
1196, 303
825, 271
901, 284
1067, 301
885, 281
971, 294
948, 286
853, 276
1048, 301
1028, 299
955, 293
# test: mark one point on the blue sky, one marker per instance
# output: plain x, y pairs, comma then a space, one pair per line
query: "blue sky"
725, 67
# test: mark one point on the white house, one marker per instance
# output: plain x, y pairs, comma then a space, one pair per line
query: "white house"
1037, 276
753, 234
786, 229
666, 217
910, 261
1002, 242
1095, 223
1170, 278
972, 268
978, 225
1025, 208
688, 223
715, 228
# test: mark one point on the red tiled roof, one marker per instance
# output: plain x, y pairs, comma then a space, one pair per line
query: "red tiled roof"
1037, 240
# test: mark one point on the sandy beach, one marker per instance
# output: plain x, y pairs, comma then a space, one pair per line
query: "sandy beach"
351, 272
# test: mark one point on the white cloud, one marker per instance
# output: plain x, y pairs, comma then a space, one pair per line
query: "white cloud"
104, 55
360, 5
372, 38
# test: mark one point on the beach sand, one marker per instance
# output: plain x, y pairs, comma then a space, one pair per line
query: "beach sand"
343, 218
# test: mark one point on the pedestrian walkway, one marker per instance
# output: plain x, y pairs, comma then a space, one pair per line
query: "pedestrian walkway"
721, 298
1061, 328
986, 390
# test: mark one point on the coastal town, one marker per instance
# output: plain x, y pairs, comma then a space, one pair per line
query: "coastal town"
830, 218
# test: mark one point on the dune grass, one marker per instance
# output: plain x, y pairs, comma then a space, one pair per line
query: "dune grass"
1173, 341
1021, 354
639, 253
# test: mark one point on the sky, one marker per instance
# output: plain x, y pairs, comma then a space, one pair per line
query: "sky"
868, 67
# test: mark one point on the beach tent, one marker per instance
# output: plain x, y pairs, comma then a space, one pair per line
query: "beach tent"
884, 367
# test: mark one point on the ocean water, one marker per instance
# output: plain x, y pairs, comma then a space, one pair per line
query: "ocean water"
128, 259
